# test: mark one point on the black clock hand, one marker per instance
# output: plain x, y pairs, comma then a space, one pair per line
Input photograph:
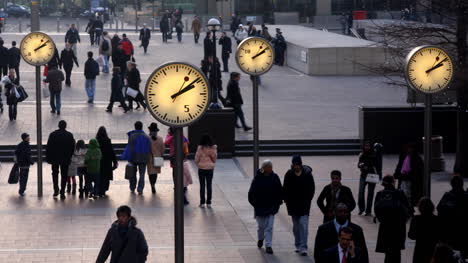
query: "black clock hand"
254, 57
191, 83
440, 64
41, 46
189, 87
180, 89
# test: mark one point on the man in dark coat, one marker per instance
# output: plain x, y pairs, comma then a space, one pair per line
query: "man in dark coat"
59, 151
164, 27
226, 50
207, 46
23, 159
265, 195
120, 60
392, 209
234, 23
55, 78
3, 59
91, 70
124, 240
333, 194
116, 91
90, 29
98, 28
328, 234
234, 98
145, 35
72, 37
67, 58
133, 81
345, 251
298, 190
279, 44
14, 59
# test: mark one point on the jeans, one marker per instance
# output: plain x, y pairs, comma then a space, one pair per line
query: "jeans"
89, 178
205, 176
98, 34
141, 181
23, 179
63, 177
81, 172
393, 256
12, 111
96, 177
196, 36
370, 195
91, 38
90, 85
68, 71
55, 101
265, 228
164, 37
105, 67
225, 58
301, 231
179, 37
239, 114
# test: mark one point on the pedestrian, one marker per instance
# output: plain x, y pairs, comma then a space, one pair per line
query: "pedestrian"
145, 35
14, 59
205, 159
169, 141
133, 81
127, 47
366, 165
333, 194
112, 9
136, 153
91, 71
67, 58
212, 69
265, 195
55, 61
343, 21
24, 161
93, 165
422, 230
328, 233
156, 160
90, 29
410, 172
240, 34
444, 254
98, 27
299, 189
55, 78
119, 59
72, 37
4, 55
207, 46
78, 161
196, 28
115, 42
116, 91
234, 98
226, 50
265, 34
59, 151
124, 240
105, 50
345, 251
234, 23
279, 45
392, 210
164, 27
179, 29
108, 161
10, 83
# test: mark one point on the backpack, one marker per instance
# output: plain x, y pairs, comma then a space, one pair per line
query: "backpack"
389, 208
105, 45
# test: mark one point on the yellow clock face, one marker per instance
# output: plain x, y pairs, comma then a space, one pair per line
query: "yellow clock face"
429, 69
37, 48
177, 94
255, 56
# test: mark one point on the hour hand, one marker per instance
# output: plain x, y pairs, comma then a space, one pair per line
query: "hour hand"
440, 64
41, 46
189, 87
262, 52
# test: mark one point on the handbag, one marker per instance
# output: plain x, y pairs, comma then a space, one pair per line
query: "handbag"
158, 161
132, 92
14, 174
372, 178
23, 94
45, 90
130, 171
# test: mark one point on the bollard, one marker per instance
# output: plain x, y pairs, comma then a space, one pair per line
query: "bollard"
20, 25
58, 24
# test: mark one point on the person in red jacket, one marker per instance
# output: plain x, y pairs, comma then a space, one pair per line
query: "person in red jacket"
127, 46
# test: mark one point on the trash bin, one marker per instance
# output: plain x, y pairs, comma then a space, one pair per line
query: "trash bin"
359, 15
437, 160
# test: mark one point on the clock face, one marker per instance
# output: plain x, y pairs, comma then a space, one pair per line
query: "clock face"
177, 94
255, 56
429, 69
37, 48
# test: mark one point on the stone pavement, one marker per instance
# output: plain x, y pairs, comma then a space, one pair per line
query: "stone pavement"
49, 230
292, 105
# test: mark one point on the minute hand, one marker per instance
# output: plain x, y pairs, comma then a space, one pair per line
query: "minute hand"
189, 87
440, 64
263, 51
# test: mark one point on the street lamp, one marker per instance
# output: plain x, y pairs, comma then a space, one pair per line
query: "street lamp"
213, 26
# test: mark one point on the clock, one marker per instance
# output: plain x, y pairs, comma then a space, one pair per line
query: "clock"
177, 94
255, 56
429, 69
37, 48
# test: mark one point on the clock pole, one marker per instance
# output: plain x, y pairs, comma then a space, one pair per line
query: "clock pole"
179, 194
255, 125
427, 144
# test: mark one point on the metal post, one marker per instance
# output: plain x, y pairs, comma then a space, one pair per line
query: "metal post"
214, 94
427, 145
179, 195
255, 125
116, 25
153, 17
21, 25
58, 24
121, 24
136, 16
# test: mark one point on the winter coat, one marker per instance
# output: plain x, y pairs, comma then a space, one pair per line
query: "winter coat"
115, 42
207, 47
135, 249
60, 147
452, 210
72, 36
108, 160
157, 150
11, 98
170, 142
196, 26
98, 25
138, 147
127, 46
233, 93
205, 157
226, 46
91, 69
3, 56
179, 26
298, 191
23, 154
343, 195
107, 52
55, 78
427, 236
415, 176
164, 24
55, 61
366, 164
119, 59
93, 157
67, 57
145, 35
133, 79
265, 194
241, 35
14, 57
116, 88
78, 159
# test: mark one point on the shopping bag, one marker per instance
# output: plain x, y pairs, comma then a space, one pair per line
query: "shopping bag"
372, 178
45, 91
158, 161
132, 92
14, 174
17, 94
23, 94
100, 60
130, 171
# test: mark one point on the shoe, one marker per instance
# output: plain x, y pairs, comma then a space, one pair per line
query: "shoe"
62, 196
186, 202
95, 196
361, 212
368, 214
58, 112
56, 194
247, 128
269, 250
126, 110
137, 107
21, 194
260, 243
208, 205
153, 189
202, 205
140, 193
90, 196
81, 194
304, 254
297, 251
52, 111
109, 110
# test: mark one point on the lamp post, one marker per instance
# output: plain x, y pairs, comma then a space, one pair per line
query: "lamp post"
213, 26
